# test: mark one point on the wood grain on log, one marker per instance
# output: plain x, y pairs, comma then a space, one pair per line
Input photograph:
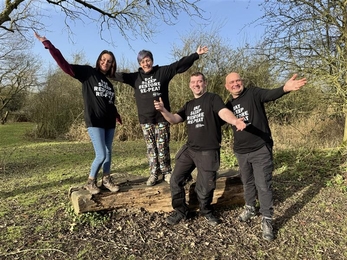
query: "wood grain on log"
135, 194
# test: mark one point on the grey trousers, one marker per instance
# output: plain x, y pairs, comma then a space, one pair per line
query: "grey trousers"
256, 175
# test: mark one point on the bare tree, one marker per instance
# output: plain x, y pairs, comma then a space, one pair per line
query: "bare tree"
18, 74
132, 17
18, 79
310, 37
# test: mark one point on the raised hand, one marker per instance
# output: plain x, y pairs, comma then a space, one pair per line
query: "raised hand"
202, 50
294, 84
40, 38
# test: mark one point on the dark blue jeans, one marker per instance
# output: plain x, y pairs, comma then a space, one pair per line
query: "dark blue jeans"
256, 175
207, 164
102, 142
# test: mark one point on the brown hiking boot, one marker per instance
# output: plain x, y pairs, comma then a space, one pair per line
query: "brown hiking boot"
108, 183
152, 180
92, 187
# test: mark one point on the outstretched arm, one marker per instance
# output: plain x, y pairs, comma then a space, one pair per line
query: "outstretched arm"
294, 84
186, 62
171, 118
230, 118
56, 54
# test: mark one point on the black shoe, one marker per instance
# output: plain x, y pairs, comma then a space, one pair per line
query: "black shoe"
175, 218
266, 226
212, 219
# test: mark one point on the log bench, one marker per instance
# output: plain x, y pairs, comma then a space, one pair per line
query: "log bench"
134, 193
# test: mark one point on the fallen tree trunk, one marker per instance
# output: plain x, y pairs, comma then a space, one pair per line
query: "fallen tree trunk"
135, 194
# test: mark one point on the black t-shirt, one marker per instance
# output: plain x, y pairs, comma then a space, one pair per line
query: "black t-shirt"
152, 85
98, 96
250, 106
203, 123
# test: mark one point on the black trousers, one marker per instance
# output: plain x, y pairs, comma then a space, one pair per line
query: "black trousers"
207, 164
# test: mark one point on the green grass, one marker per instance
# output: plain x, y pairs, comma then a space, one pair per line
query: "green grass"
14, 134
52, 167
309, 186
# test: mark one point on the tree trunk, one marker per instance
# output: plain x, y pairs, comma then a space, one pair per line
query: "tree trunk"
135, 194
345, 130
4, 119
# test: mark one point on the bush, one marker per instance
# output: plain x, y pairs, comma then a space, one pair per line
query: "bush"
57, 106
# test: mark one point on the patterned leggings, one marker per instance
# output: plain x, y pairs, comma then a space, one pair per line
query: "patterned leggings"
157, 137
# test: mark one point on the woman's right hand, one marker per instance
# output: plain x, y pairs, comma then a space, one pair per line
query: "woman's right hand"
159, 105
40, 38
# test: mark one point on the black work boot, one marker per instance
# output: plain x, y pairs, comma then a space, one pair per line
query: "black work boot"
266, 226
212, 219
175, 218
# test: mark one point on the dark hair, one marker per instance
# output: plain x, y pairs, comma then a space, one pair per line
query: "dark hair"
195, 74
144, 53
111, 72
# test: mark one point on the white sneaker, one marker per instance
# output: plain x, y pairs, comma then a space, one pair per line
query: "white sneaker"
247, 214
167, 177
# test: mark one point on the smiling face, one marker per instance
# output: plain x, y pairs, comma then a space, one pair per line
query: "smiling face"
146, 64
234, 84
198, 85
105, 62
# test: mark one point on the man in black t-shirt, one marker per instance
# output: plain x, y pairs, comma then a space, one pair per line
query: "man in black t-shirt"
253, 147
202, 115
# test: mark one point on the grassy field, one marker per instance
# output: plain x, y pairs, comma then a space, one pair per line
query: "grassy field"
37, 220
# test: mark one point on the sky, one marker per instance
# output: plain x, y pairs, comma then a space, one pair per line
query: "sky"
235, 18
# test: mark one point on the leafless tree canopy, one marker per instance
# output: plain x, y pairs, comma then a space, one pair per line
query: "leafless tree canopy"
132, 18
304, 34
18, 19
310, 37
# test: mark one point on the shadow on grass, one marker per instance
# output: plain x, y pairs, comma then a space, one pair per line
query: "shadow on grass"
19, 169
22, 189
306, 173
